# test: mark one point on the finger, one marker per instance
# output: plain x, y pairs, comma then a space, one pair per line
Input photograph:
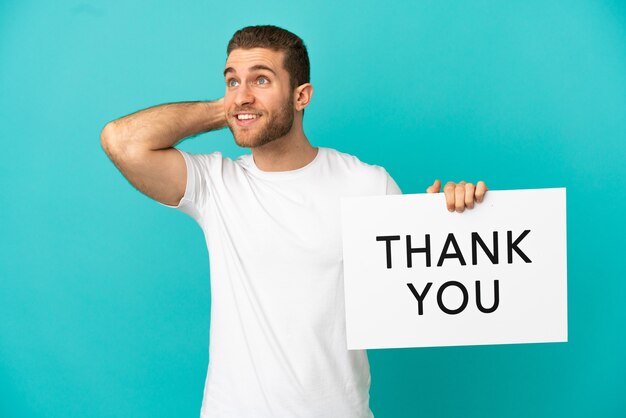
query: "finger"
469, 195
481, 189
435, 187
448, 191
459, 197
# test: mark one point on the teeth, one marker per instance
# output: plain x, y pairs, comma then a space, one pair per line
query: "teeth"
246, 116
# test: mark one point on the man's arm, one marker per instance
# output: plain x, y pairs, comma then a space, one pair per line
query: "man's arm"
140, 145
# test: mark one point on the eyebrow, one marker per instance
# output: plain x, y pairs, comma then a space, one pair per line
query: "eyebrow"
253, 68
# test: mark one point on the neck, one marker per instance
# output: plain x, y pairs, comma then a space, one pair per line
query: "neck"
290, 152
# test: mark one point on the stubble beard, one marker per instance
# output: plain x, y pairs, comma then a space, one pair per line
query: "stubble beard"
273, 129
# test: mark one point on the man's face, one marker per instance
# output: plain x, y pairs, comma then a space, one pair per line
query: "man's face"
258, 101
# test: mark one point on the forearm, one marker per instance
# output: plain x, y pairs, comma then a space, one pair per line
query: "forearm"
163, 126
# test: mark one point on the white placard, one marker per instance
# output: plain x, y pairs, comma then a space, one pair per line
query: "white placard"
455, 286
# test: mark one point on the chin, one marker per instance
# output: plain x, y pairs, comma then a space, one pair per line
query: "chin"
252, 141
244, 141
243, 144
255, 143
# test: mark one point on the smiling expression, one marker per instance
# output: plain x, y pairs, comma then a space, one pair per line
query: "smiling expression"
259, 102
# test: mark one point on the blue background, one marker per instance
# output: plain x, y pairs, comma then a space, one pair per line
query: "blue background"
104, 294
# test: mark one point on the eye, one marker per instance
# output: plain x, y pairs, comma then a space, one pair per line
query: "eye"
232, 83
262, 81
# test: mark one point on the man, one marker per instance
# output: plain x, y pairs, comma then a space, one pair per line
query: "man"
272, 226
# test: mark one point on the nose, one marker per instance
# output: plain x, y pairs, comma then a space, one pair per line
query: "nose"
244, 96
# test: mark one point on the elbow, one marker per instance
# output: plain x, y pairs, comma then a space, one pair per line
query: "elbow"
113, 141
117, 147
108, 138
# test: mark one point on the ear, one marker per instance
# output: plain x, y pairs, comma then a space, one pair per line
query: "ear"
302, 96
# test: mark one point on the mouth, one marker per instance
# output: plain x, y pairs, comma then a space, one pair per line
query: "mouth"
246, 119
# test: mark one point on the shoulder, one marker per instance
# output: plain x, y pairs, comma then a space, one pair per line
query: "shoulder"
213, 161
359, 176
353, 164
202, 159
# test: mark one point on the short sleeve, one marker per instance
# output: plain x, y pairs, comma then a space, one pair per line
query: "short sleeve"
197, 189
392, 186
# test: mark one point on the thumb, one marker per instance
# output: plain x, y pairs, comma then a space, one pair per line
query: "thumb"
435, 187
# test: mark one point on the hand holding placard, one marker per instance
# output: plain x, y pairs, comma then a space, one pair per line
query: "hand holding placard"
460, 196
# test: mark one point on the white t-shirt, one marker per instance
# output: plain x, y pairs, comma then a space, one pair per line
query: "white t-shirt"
277, 344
